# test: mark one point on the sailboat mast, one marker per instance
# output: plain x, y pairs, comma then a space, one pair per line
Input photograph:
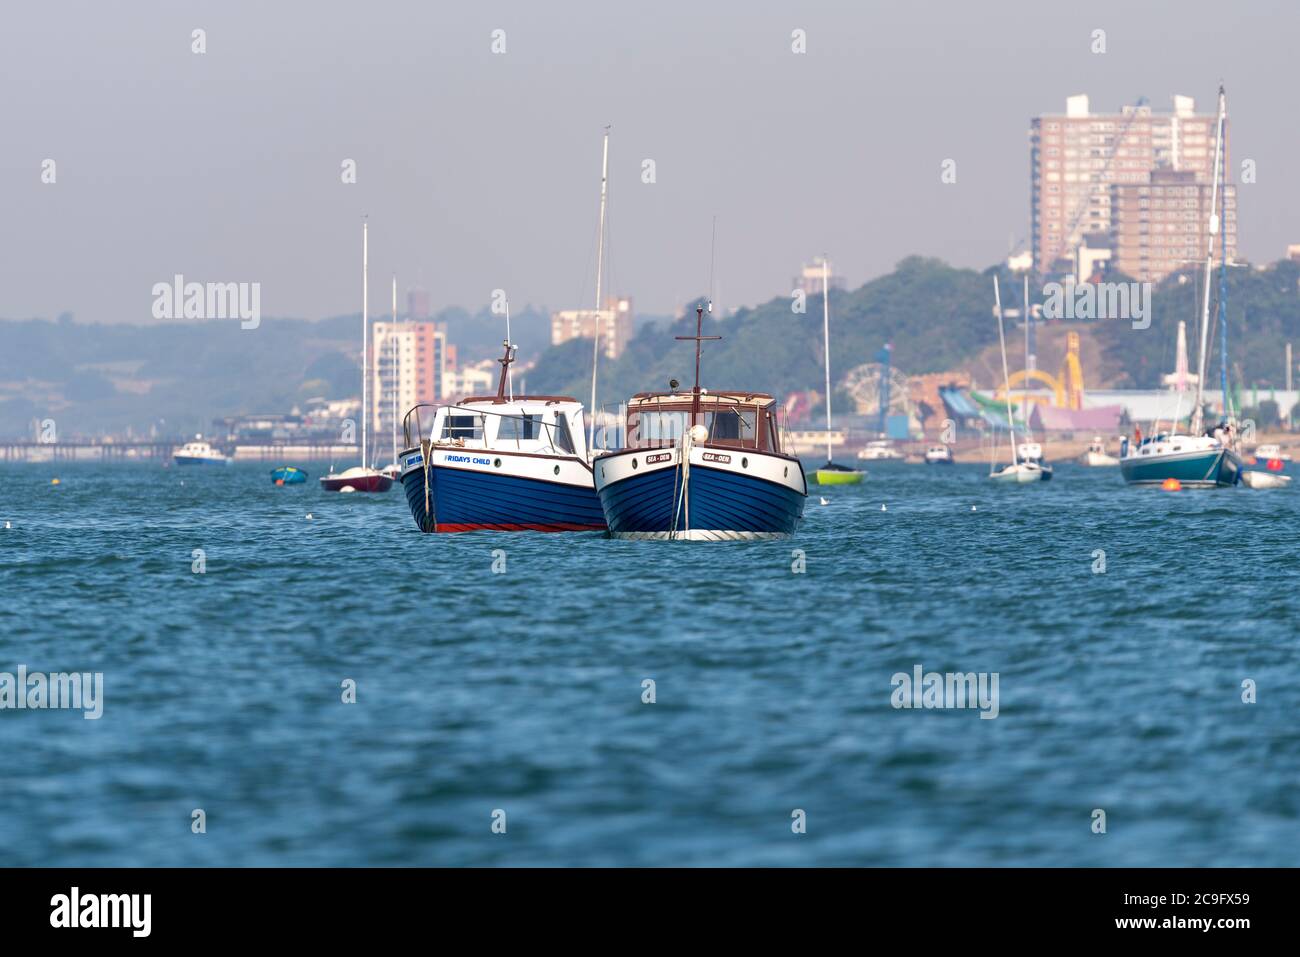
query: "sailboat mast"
365, 332
1228, 412
600, 269
1025, 401
392, 369
1006, 374
826, 347
1209, 263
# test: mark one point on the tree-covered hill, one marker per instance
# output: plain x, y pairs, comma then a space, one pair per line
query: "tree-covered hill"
938, 319
95, 378
934, 315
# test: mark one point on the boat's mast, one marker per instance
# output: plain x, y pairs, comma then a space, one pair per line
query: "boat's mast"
510, 382
365, 332
826, 347
699, 338
505, 361
600, 268
392, 368
1006, 374
1209, 263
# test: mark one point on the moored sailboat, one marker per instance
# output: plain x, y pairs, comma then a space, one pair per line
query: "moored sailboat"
1204, 458
362, 478
1030, 451
1018, 472
832, 473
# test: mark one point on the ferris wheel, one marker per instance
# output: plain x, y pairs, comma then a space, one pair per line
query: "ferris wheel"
865, 384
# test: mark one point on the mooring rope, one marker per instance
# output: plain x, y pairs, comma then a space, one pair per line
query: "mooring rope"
430, 522
682, 502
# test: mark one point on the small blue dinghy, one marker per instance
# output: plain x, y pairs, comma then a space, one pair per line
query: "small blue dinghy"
288, 475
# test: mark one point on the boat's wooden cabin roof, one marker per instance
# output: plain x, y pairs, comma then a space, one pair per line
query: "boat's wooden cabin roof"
675, 401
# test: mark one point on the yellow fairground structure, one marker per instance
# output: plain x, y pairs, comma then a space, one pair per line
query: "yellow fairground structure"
1067, 387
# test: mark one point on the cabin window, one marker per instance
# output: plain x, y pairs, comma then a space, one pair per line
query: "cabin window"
563, 438
661, 428
462, 427
514, 428
731, 425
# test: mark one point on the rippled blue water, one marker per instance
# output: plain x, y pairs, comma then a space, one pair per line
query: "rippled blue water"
522, 691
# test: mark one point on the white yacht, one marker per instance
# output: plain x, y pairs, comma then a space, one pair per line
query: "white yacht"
1096, 455
1023, 469
199, 452
938, 455
1032, 452
879, 450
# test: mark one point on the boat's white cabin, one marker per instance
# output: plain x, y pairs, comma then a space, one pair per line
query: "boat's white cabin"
1168, 444
538, 426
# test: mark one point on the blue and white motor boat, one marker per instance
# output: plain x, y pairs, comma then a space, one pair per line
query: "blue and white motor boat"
199, 452
701, 466
500, 463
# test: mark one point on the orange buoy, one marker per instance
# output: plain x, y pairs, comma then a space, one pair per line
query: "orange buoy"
1171, 485
1274, 465
279, 481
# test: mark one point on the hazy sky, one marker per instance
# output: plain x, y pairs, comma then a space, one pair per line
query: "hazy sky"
481, 171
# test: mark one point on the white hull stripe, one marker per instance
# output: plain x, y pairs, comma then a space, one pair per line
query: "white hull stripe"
617, 466
571, 471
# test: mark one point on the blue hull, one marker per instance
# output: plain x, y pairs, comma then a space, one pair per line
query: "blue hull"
1212, 468
743, 505
461, 500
